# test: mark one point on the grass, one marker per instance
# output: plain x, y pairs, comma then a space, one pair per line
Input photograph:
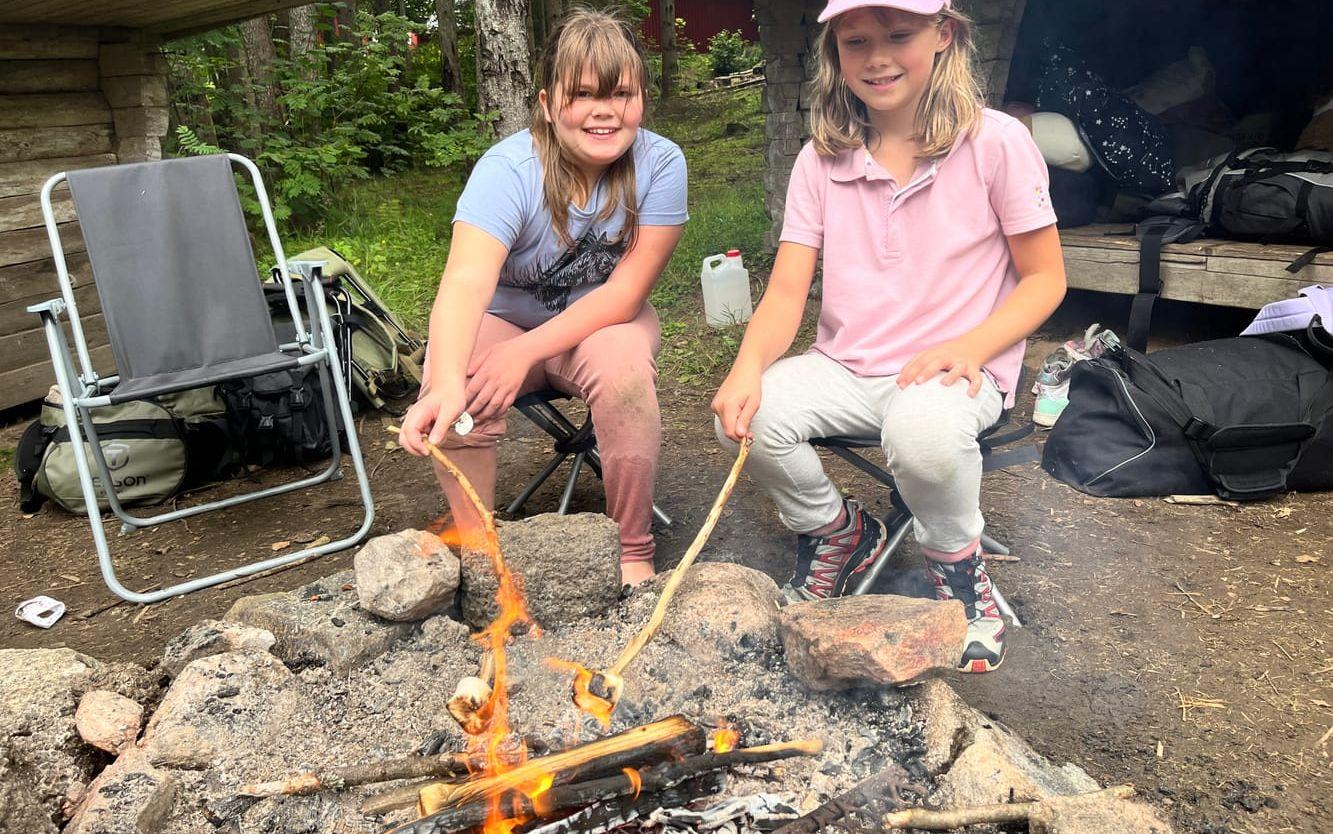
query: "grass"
395, 229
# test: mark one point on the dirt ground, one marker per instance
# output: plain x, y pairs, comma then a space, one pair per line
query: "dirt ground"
1182, 649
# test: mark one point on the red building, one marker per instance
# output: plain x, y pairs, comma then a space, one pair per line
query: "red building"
705, 18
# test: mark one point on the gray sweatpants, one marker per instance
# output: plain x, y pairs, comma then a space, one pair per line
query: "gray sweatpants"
928, 433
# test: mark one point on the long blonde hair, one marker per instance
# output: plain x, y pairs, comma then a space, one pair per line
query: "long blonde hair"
950, 106
606, 43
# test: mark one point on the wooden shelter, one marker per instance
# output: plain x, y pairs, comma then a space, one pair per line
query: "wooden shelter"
82, 84
1097, 257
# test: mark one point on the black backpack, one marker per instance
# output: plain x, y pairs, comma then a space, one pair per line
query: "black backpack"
1256, 194
279, 417
1246, 417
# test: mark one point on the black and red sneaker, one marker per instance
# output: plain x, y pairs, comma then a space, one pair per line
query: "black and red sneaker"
824, 564
968, 582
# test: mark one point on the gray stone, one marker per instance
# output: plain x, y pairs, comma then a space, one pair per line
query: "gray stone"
129, 797
20, 807
108, 721
442, 633
408, 575
320, 623
948, 724
998, 765
724, 609
568, 567
1095, 815
875, 639
212, 637
221, 703
39, 691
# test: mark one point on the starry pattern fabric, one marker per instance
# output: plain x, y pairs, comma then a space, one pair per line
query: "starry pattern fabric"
1127, 141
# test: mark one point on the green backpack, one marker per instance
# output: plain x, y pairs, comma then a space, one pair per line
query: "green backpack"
153, 449
384, 365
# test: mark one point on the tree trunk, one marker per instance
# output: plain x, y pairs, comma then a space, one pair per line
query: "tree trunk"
555, 9
301, 37
504, 76
257, 38
345, 20
666, 10
236, 76
451, 69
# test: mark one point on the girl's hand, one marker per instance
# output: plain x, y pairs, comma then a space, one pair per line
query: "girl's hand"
736, 402
431, 415
496, 376
956, 360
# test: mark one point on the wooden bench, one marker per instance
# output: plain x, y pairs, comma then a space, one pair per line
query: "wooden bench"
1210, 271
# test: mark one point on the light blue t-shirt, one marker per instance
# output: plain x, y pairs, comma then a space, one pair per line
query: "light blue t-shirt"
541, 276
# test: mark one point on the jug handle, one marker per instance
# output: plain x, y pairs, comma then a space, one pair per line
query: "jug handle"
713, 260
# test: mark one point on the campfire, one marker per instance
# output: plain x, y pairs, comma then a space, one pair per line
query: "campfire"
657, 765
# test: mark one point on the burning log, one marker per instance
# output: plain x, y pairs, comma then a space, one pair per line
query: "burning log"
670, 738
610, 814
474, 808
597, 692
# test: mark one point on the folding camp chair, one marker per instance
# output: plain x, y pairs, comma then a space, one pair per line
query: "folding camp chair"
183, 308
997, 452
579, 441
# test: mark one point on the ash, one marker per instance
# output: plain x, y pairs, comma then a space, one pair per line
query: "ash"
389, 707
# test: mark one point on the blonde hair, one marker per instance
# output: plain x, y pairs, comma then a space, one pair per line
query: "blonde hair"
585, 38
950, 106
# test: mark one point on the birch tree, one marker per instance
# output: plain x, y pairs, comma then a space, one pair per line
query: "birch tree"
504, 62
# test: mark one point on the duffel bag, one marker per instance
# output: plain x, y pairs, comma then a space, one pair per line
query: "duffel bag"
153, 448
1246, 417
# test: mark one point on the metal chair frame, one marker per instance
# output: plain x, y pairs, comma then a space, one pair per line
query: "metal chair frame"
84, 390
579, 441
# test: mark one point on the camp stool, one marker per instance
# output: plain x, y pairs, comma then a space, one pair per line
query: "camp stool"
183, 307
997, 452
579, 441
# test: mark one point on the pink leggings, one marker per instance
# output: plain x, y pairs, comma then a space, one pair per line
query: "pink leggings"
614, 370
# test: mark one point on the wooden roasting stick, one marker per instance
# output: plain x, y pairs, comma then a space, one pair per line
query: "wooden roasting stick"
338, 778
604, 687
472, 694
474, 811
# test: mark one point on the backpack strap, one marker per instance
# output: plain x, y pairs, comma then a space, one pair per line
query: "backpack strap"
28, 461
1152, 233
1308, 258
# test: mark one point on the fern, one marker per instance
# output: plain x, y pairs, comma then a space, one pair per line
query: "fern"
187, 140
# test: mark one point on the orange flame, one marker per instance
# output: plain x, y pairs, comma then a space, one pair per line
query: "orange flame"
583, 698
513, 611
634, 779
725, 739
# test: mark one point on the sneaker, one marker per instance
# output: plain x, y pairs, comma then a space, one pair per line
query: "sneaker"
1052, 397
825, 564
1056, 367
968, 582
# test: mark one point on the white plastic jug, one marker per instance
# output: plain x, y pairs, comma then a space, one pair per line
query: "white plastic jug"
726, 286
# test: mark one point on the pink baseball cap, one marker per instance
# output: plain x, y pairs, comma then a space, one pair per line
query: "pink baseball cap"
837, 7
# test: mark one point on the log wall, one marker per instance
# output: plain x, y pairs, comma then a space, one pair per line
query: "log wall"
70, 97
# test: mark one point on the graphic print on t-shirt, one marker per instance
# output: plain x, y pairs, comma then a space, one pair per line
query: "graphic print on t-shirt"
589, 261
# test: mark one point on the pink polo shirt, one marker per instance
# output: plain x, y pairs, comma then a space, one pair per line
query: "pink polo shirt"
906, 268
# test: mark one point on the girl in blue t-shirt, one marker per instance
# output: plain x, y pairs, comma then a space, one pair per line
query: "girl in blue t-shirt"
559, 236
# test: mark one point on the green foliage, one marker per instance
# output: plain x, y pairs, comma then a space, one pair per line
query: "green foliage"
351, 107
729, 53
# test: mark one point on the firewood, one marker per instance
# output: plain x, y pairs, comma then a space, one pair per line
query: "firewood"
930, 820
339, 778
475, 809
673, 737
600, 693
858, 800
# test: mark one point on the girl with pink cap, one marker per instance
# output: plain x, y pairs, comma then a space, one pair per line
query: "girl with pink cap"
940, 256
